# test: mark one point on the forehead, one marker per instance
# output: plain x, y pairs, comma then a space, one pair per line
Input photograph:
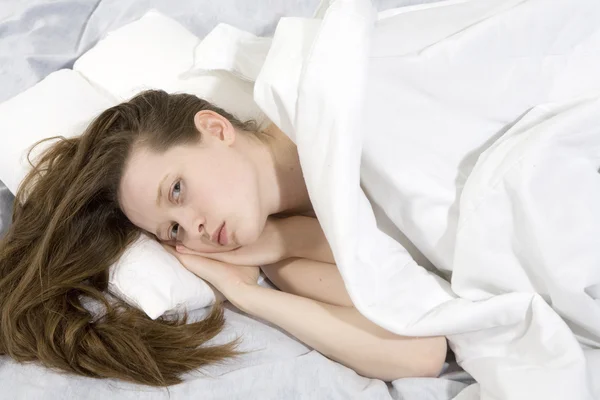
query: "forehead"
139, 184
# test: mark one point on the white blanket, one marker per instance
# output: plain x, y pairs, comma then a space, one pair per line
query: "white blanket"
474, 127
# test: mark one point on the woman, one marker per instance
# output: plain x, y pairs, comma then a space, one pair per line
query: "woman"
221, 196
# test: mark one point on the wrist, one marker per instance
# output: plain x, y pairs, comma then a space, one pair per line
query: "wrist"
219, 297
243, 296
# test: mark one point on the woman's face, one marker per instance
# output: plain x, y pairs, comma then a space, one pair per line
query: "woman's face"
187, 193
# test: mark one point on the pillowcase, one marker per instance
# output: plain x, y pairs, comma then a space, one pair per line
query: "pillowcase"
64, 103
152, 52
61, 104
151, 279
155, 52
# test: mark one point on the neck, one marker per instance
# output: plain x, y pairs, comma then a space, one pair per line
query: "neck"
284, 186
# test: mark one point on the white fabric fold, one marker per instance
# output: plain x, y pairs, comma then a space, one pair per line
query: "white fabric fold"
475, 130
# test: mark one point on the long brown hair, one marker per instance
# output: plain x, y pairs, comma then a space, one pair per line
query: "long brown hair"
67, 230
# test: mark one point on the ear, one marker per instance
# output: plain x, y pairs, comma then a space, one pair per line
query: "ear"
214, 124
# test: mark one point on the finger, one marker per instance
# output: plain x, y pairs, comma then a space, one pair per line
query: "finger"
184, 250
170, 249
231, 257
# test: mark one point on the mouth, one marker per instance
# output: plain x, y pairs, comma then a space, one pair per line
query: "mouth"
220, 235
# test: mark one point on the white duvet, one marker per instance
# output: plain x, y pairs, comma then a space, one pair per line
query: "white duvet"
474, 129
461, 137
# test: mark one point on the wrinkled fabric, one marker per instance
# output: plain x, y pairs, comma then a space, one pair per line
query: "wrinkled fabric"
474, 128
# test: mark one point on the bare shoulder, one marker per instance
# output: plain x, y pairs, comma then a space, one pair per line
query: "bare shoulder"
308, 278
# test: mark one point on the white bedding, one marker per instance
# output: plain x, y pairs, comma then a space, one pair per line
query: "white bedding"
279, 367
465, 180
43, 37
479, 138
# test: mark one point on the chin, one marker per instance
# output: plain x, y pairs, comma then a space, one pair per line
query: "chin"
244, 237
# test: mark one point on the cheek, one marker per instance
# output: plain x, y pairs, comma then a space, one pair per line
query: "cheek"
234, 186
250, 228
230, 191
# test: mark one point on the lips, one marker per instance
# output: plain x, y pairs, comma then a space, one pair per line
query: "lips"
223, 236
216, 237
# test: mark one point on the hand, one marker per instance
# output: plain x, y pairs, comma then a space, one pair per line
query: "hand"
230, 280
272, 246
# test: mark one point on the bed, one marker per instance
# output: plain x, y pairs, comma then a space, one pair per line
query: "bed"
38, 37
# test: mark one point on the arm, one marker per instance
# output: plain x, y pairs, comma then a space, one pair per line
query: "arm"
339, 332
322, 282
307, 278
281, 238
306, 239
343, 334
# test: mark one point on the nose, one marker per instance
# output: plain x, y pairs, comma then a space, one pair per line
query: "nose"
193, 224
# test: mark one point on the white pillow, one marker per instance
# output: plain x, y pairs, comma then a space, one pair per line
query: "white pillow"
150, 278
146, 53
153, 52
157, 52
61, 104
64, 103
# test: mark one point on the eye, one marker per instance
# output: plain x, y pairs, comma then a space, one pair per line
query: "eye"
173, 232
176, 191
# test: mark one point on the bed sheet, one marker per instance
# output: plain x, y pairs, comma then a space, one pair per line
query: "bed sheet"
38, 37
6, 200
278, 367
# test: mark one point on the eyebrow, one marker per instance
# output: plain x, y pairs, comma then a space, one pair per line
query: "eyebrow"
159, 191
159, 197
